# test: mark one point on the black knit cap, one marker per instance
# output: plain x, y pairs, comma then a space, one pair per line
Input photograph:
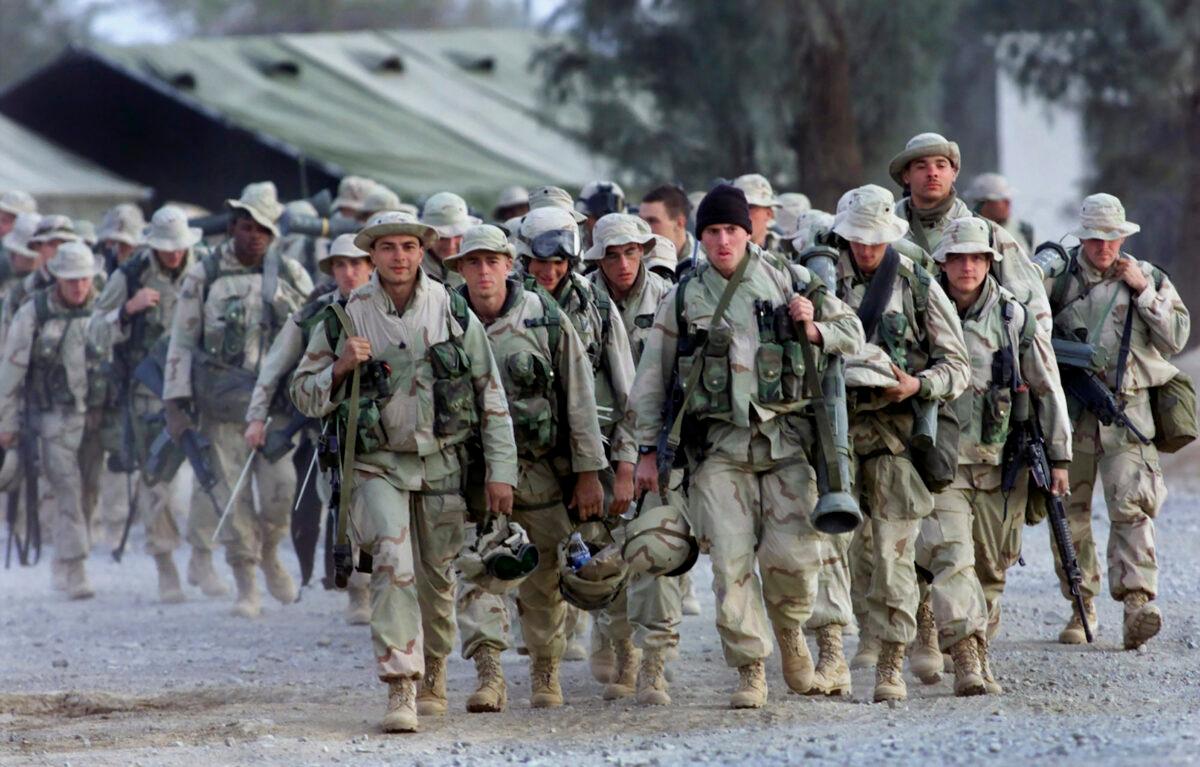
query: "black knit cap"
724, 204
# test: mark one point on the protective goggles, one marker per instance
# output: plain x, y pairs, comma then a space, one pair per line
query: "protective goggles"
554, 245
512, 560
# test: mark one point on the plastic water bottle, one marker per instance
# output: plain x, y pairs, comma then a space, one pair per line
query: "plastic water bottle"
578, 554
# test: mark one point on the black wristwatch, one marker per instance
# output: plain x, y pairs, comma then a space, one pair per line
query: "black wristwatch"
647, 449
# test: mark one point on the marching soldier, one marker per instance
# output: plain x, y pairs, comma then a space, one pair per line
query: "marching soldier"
908, 317
130, 316
549, 382
1130, 313
752, 487
991, 197
349, 268
447, 213
120, 233
763, 204
52, 371
17, 259
665, 209
230, 307
430, 383
52, 231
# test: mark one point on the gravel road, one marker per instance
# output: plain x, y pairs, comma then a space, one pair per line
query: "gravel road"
121, 680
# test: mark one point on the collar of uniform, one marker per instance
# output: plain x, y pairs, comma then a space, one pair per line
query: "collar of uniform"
716, 282
984, 302
1091, 275
382, 301
433, 264
929, 217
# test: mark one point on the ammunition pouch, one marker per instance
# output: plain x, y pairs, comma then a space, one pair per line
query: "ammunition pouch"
996, 405
454, 413
371, 434
713, 395
936, 459
893, 333
532, 404
768, 366
228, 342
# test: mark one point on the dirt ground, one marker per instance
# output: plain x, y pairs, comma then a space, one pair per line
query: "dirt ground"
122, 680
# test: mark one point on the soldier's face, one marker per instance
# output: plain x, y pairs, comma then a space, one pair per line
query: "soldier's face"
996, 210
760, 219
966, 271
621, 264
485, 274
447, 246
6, 222
867, 257
548, 273
250, 239
74, 292
930, 178
397, 257
122, 249
1102, 253
725, 245
46, 250
655, 214
170, 259
349, 273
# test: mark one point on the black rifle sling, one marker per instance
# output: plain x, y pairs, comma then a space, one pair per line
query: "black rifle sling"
879, 292
1126, 335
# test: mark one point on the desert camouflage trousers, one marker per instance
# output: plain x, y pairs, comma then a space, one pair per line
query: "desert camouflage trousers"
1134, 491
413, 538
996, 528
946, 553
892, 492
71, 459
752, 513
247, 531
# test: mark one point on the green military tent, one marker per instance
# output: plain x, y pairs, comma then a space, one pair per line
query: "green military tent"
61, 182
421, 111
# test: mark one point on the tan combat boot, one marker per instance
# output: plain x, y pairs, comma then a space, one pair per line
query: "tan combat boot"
889, 679
543, 683
77, 580
401, 713
925, 662
492, 693
248, 604
279, 581
200, 573
58, 575
652, 679
989, 682
169, 589
602, 660
968, 675
1073, 632
752, 686
1143, 619
867, 654
624, 678
832, 675
431, 698
795, 658
358, 609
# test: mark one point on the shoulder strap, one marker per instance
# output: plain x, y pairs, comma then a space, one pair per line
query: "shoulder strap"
459, 309
1126, 335
134, 268
551, 320
212, 270
604, 305
879, 292
41, 307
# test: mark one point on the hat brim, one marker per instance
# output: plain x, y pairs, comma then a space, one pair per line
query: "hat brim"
13, 245
13, 211
254, 214
452, 262
1124, 230
456, 230
325, 265
949, 150
346, 202
73, 274
877, 235
158, 243
939, 254
596, 252
62, 236
763, 202
365, 239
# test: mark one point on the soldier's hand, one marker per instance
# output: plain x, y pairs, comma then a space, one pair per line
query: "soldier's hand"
141, 301
907, 386
355, 352
8, 439
645, 478
499, 498
622, 489
1060, 483
1127, 270
177, 419
801, 309
256, 434
589, 496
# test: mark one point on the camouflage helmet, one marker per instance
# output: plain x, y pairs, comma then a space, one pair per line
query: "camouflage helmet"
598, 583
659, 541
549, 234
599, 198
554, 197
501, 557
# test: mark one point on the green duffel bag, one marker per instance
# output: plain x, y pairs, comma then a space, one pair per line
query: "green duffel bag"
1174, 407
